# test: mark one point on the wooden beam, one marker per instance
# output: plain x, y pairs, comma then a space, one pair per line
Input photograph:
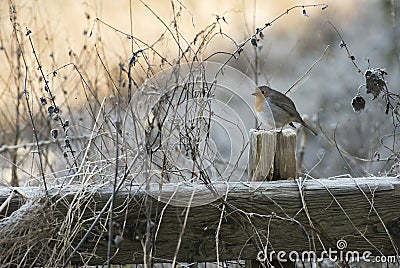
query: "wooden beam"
281, 214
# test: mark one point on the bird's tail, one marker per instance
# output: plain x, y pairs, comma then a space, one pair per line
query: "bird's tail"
310, 129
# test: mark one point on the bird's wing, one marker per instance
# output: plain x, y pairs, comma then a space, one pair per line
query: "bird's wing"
287, 106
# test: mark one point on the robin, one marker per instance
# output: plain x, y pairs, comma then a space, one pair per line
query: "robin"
282, 107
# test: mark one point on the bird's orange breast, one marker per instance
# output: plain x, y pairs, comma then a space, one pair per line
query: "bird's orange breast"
259, 103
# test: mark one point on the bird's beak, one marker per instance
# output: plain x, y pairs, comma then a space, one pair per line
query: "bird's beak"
254, 93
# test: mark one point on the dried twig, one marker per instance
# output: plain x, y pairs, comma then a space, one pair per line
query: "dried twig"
308, 71
343, 44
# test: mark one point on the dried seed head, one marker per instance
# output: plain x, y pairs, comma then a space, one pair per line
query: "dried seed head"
55, 117
50, 109
358, 103
253, 41
54, 133
43, 100
375, 81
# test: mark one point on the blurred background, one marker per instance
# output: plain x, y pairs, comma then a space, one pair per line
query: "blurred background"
99, 37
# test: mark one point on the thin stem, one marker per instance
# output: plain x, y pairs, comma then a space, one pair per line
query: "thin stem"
308, 70
25, 92
343, 44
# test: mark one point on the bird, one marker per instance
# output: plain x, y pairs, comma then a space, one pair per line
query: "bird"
281, 106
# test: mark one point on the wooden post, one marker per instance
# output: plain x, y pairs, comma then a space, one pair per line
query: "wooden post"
272, 156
